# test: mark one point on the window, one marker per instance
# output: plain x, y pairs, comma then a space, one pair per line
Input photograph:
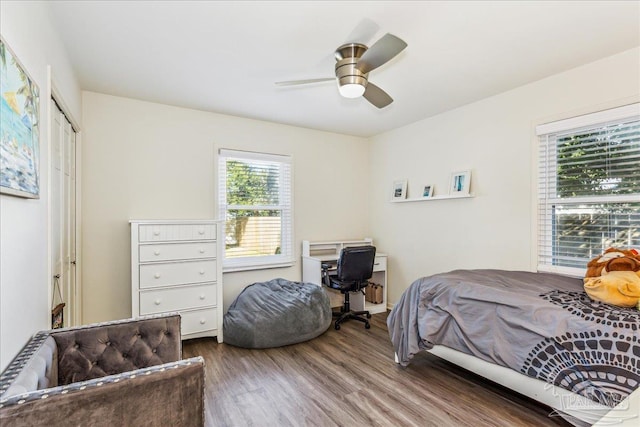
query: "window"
254, 200
589, 187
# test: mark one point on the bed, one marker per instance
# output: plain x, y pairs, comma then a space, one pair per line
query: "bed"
536, 333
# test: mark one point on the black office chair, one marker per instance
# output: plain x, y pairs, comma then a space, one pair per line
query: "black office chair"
355, 268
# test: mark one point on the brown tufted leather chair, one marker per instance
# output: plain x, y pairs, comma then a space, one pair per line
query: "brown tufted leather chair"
123, 373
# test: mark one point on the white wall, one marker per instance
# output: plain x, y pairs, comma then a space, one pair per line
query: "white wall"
149, 161
494, 139
24, 282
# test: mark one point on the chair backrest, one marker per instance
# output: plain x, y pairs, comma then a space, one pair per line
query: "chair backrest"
356, 263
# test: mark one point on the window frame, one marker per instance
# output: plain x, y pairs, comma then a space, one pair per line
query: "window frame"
286, 257
545, 168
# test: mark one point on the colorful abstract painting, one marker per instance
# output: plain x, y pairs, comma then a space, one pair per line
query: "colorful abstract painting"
19, 128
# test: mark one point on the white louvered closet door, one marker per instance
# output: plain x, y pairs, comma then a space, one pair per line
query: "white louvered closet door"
63, 208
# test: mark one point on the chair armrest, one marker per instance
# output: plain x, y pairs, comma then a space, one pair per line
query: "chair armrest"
169, 394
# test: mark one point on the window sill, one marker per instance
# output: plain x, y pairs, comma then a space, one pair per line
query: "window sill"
563, 271
239, 268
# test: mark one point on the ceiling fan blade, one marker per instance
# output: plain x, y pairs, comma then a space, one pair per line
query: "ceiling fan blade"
363, 32
377, 96
304, 82
382, 51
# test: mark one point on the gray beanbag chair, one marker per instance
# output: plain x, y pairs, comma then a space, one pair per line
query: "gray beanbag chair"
277, 313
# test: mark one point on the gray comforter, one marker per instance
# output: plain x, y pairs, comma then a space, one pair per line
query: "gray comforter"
541, 325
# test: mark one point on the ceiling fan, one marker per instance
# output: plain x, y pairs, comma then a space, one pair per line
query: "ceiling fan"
354, 62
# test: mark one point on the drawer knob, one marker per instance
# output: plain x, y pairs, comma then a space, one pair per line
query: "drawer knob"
156, 232
200, 230
201, 271
157, 302
203, 321
202, 250
157, 275
201, 296
156, 252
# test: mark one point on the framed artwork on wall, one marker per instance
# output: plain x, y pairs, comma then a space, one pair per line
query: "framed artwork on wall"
427, 191
19, 128
399, 189
460, 183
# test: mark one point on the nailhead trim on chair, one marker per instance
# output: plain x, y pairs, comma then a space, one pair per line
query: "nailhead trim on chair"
16, 365
34, 344
97, 382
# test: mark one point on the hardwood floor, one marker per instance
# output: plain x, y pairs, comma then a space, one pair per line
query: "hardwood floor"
348, 378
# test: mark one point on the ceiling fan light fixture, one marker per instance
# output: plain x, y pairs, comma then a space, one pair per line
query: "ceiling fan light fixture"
351, 90
351, 81
354, 61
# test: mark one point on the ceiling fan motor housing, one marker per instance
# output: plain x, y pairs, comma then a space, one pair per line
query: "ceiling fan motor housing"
346, 71
354, 62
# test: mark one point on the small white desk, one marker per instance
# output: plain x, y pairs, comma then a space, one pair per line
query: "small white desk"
316, 253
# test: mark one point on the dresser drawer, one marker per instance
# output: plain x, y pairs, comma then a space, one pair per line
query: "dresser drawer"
176, 232
178, 298
177, 251
198, 321
176, 273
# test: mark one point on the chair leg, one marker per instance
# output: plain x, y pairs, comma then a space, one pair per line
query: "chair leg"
346, 314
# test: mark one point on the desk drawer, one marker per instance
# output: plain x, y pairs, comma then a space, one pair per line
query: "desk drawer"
178, 298
198, 320
380, 264
175, 232
176, 273
177, 251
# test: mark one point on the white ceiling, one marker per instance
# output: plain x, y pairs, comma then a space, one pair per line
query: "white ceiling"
225, 56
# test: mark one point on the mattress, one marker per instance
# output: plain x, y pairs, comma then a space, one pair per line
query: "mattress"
541, 325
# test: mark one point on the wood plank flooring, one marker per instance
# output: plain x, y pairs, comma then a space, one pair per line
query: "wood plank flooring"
348, 378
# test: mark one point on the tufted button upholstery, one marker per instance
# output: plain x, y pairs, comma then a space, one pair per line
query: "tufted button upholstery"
164, 394
89, 353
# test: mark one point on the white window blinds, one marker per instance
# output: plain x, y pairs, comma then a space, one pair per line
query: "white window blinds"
588, 187
254, 200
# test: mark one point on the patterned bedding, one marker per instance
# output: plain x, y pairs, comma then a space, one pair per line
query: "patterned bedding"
541, 325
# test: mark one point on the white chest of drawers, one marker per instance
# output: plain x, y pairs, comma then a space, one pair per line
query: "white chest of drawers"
175, 267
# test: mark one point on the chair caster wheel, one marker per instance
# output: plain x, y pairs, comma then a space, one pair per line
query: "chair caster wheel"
368, 316
367, 325
337, 327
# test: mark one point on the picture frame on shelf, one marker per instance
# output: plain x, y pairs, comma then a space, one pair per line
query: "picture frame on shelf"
399, 189
460, 183
427, 191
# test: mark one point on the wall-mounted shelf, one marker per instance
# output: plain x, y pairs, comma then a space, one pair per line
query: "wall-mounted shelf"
429, 199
